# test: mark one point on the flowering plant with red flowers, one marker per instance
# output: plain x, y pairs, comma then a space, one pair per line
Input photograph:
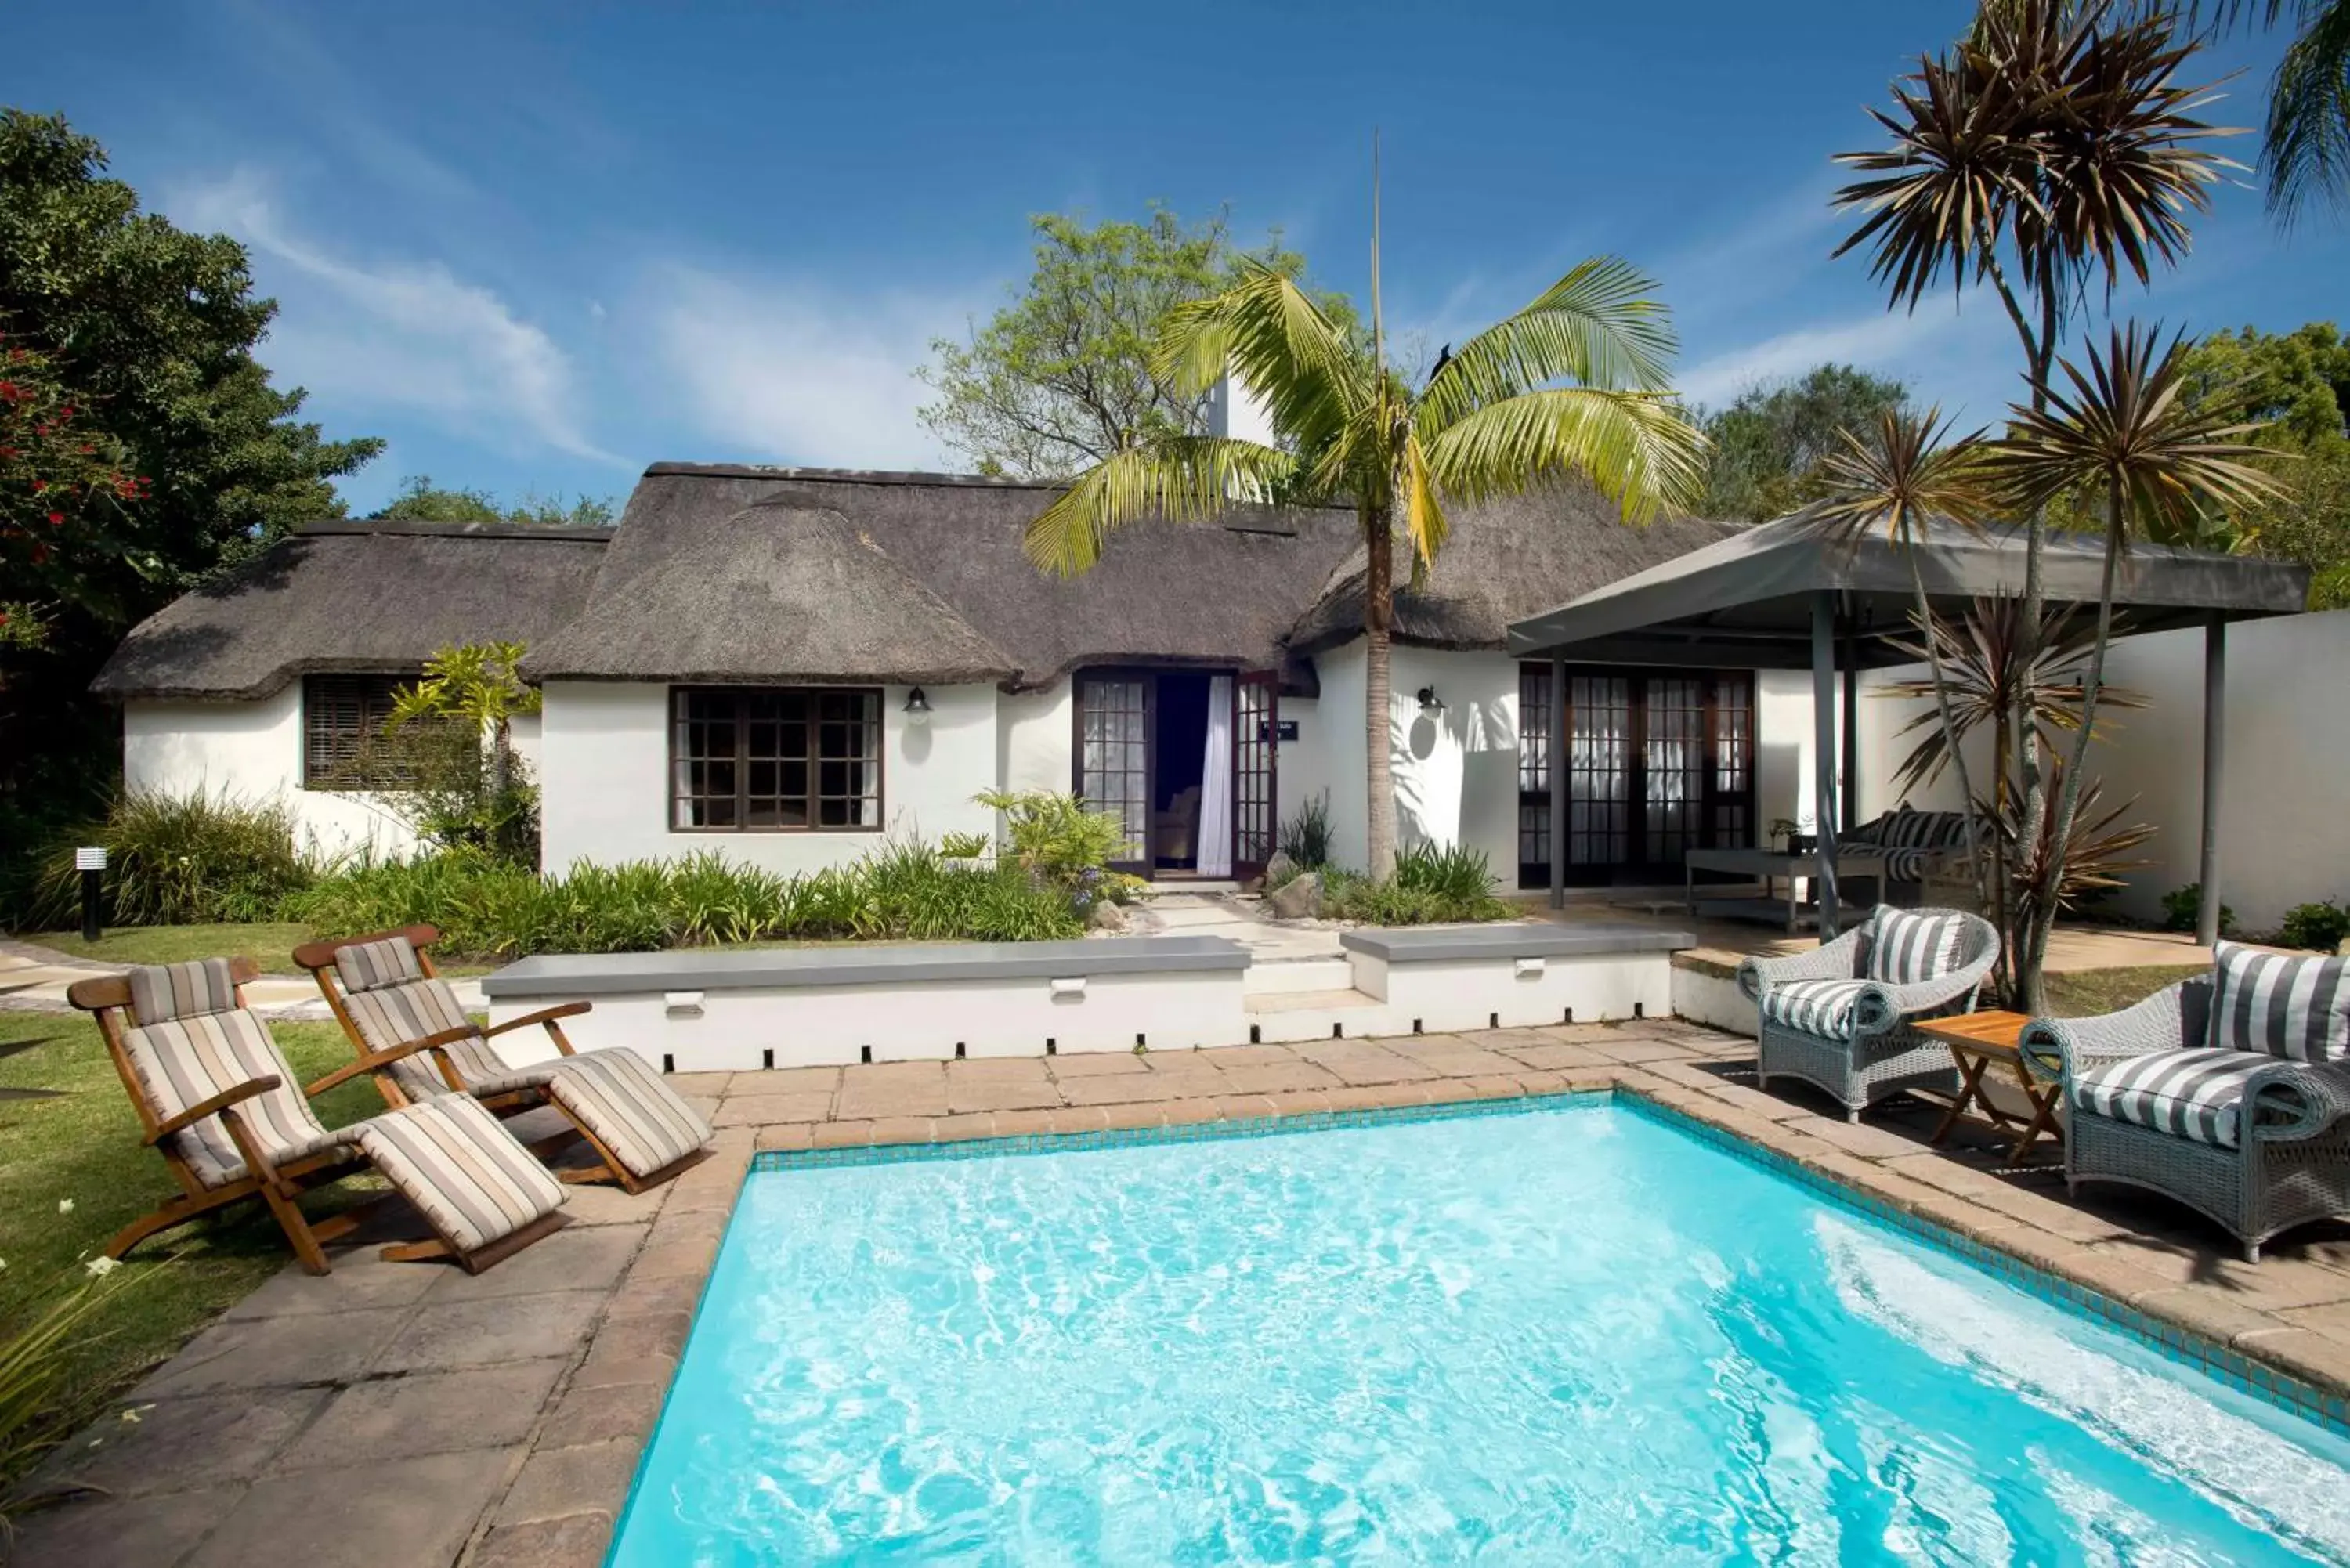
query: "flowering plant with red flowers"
61, 483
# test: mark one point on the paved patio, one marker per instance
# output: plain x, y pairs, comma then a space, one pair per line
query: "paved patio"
408, 1416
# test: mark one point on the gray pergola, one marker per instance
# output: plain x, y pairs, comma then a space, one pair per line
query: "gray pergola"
1790, 594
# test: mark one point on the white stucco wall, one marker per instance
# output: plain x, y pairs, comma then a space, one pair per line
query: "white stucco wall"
604, 752
1456, 771
2284, 838
252, 751
1328, 756
1035, 737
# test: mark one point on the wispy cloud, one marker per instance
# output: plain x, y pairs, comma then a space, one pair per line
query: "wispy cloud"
1880, 340
400, 334
800, 373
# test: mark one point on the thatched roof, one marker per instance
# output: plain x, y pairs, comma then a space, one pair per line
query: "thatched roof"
1505, 559
368, 597
746, 574
775, 588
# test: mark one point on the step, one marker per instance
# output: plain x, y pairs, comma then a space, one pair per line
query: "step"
1281, 976
1311, 1001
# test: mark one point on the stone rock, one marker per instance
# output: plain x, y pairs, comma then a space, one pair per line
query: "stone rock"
2341, 948
1281, 869
1300, 900
1106, 916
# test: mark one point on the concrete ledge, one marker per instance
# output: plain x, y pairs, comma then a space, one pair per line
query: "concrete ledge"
1451, 944
785, 969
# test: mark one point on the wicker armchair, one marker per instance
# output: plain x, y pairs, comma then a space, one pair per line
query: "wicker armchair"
2273, 1148
1871, 1052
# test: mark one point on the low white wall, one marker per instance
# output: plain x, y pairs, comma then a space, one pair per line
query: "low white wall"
253, 751
2284, 838
604, 756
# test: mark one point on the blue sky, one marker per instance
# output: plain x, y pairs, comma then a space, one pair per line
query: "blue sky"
538, 245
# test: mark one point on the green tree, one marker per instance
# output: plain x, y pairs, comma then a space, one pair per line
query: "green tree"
1770, 442
421, 500
2295, 386
2053, 147
1060, 378
151, 332
1573, 384
63, 493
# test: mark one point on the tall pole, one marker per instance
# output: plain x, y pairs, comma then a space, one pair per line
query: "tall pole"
2215, 728
1558, 781
1824, 754
1848, 806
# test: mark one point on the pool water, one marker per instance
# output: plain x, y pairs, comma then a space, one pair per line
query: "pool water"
1556, 1336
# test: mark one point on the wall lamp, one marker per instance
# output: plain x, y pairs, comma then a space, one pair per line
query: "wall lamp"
1429, 702
918, 707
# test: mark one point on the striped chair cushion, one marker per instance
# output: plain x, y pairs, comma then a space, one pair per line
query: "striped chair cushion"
1823, 1007
2297, 1008
371, 966
161, 992
1906, 946
396, 1014
468, 1176
184, 1062
2187, 1094
617, 1095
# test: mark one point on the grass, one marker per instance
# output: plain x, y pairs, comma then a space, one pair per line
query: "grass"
2085, 992
271, 941
80, 1143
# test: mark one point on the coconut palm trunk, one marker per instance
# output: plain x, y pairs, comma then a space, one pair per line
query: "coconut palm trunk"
1378, 690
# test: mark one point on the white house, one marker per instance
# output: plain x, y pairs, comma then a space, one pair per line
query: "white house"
787, 665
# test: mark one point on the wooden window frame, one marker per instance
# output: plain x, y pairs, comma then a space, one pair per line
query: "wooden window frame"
375, 707
814, 722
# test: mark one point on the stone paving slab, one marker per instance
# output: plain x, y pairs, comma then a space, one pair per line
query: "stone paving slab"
409, 1414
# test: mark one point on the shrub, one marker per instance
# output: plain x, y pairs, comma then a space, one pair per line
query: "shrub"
1431, 886
2183, 906
2318, 927
177, 861
1056, 840
1305, 837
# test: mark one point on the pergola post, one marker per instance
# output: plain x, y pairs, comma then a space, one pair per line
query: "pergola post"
1558, 782
1824, 750
1848, 801
2215, 728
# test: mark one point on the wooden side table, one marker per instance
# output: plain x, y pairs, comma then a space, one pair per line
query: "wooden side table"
1978, 1041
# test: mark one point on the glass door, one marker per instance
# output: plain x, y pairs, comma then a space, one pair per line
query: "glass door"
1114, 758
1256, 729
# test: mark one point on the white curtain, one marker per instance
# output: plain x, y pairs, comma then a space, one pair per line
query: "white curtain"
1216, 783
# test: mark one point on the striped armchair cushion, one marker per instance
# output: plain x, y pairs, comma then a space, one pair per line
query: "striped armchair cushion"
617, 1095
392, 1000
161, 992
468, 1176
1822, 1008
371, 966
2296, 1008
2187, 1094
1906, 947
183, 1062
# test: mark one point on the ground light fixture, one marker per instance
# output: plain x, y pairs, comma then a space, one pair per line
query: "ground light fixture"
918, 707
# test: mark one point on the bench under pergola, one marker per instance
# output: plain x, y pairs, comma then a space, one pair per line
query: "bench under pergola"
1791, 595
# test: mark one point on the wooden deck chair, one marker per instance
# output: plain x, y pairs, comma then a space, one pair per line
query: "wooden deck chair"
218, 1101
384, 991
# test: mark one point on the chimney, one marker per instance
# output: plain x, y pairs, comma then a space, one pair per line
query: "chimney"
1236, 413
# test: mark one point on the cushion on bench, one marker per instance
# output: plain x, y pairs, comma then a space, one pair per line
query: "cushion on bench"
1908, 948
2194, 1094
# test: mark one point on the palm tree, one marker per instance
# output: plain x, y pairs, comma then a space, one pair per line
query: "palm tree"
2050, 146
2124, 432
1906, 475
1573, 384
2306, 147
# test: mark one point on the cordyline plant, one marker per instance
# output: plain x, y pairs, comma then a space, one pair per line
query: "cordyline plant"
2052, 148
1573, 384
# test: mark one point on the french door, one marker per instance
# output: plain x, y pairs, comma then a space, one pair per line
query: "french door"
1657, 762
1256, 796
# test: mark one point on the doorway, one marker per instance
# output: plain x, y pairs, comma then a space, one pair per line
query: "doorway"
1183, 759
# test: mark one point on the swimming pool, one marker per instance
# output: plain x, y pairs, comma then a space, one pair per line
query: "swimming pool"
1567, 1334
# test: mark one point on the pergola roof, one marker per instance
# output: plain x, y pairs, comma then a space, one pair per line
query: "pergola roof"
1746, 602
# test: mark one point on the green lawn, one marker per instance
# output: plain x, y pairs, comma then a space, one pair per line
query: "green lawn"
81, 1144
272, 942
2082, 993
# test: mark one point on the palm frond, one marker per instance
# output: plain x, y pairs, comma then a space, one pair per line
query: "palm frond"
1275, 338
1599, 326
1184, 479
1904, 475
1423, 512
2124, 425
2307, 144
1635, 446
